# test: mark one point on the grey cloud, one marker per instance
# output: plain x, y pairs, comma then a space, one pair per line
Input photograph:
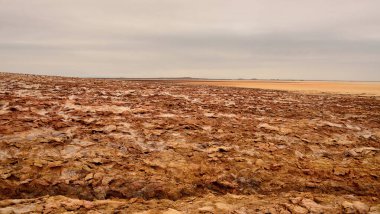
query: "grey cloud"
230, 39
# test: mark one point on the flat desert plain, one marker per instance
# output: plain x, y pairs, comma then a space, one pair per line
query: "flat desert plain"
358, 88
76, 145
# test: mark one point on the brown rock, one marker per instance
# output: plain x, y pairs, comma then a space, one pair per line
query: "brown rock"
260, 162
89, 176
312, 206
360, 207
206, 209
171, 211
348, 207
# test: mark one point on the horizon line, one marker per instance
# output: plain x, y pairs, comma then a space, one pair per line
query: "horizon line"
189, 78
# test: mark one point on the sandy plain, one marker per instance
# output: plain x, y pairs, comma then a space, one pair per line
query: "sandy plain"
313, 87
74, 145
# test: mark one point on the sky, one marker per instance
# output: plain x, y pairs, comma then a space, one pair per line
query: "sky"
264, 39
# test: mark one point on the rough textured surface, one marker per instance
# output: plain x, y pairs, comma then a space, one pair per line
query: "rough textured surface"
103, 146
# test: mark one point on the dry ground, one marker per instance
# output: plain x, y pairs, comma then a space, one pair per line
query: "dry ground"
313, 87
111, 146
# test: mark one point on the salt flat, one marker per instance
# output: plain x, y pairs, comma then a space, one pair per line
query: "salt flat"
315, 87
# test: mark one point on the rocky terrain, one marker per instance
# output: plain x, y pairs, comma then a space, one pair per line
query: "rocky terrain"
115, 146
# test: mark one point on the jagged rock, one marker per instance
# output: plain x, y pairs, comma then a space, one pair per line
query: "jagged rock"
296, 200
313, 207
299, 210
89, 176
296, 209
21, 209
348, 207
360, 207
206, 209
340, 171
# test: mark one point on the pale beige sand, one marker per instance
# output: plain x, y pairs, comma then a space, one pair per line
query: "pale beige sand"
362, 88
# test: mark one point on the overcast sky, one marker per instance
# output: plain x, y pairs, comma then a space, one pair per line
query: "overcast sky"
285, 39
